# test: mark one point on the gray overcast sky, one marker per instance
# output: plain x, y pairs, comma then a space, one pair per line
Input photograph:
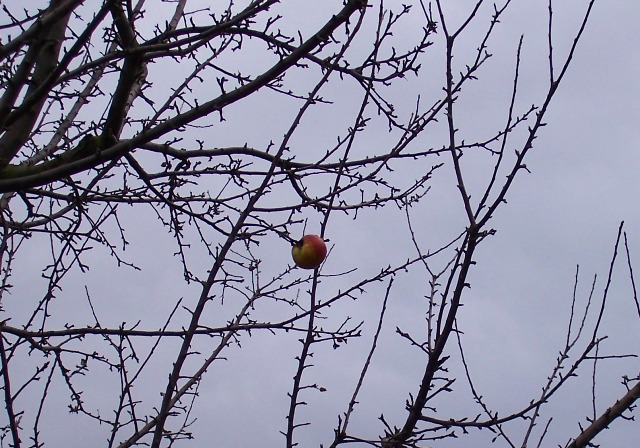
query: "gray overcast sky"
583, 183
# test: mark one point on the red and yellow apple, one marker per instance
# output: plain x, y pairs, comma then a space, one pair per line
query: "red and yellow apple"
309, 252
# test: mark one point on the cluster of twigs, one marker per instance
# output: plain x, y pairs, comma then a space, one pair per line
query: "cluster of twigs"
107, 105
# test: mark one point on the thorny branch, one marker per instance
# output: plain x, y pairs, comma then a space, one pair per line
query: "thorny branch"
119, 118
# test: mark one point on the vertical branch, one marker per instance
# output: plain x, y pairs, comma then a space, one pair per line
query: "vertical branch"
310, 331
456, 154
594, 372
131, 76
8, 398
550, 43
436, 359
606, 288
507, 128
49, 45
341, 432
308, 341
631, 275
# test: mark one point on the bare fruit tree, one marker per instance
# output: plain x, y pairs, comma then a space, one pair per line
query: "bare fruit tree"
157, 161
